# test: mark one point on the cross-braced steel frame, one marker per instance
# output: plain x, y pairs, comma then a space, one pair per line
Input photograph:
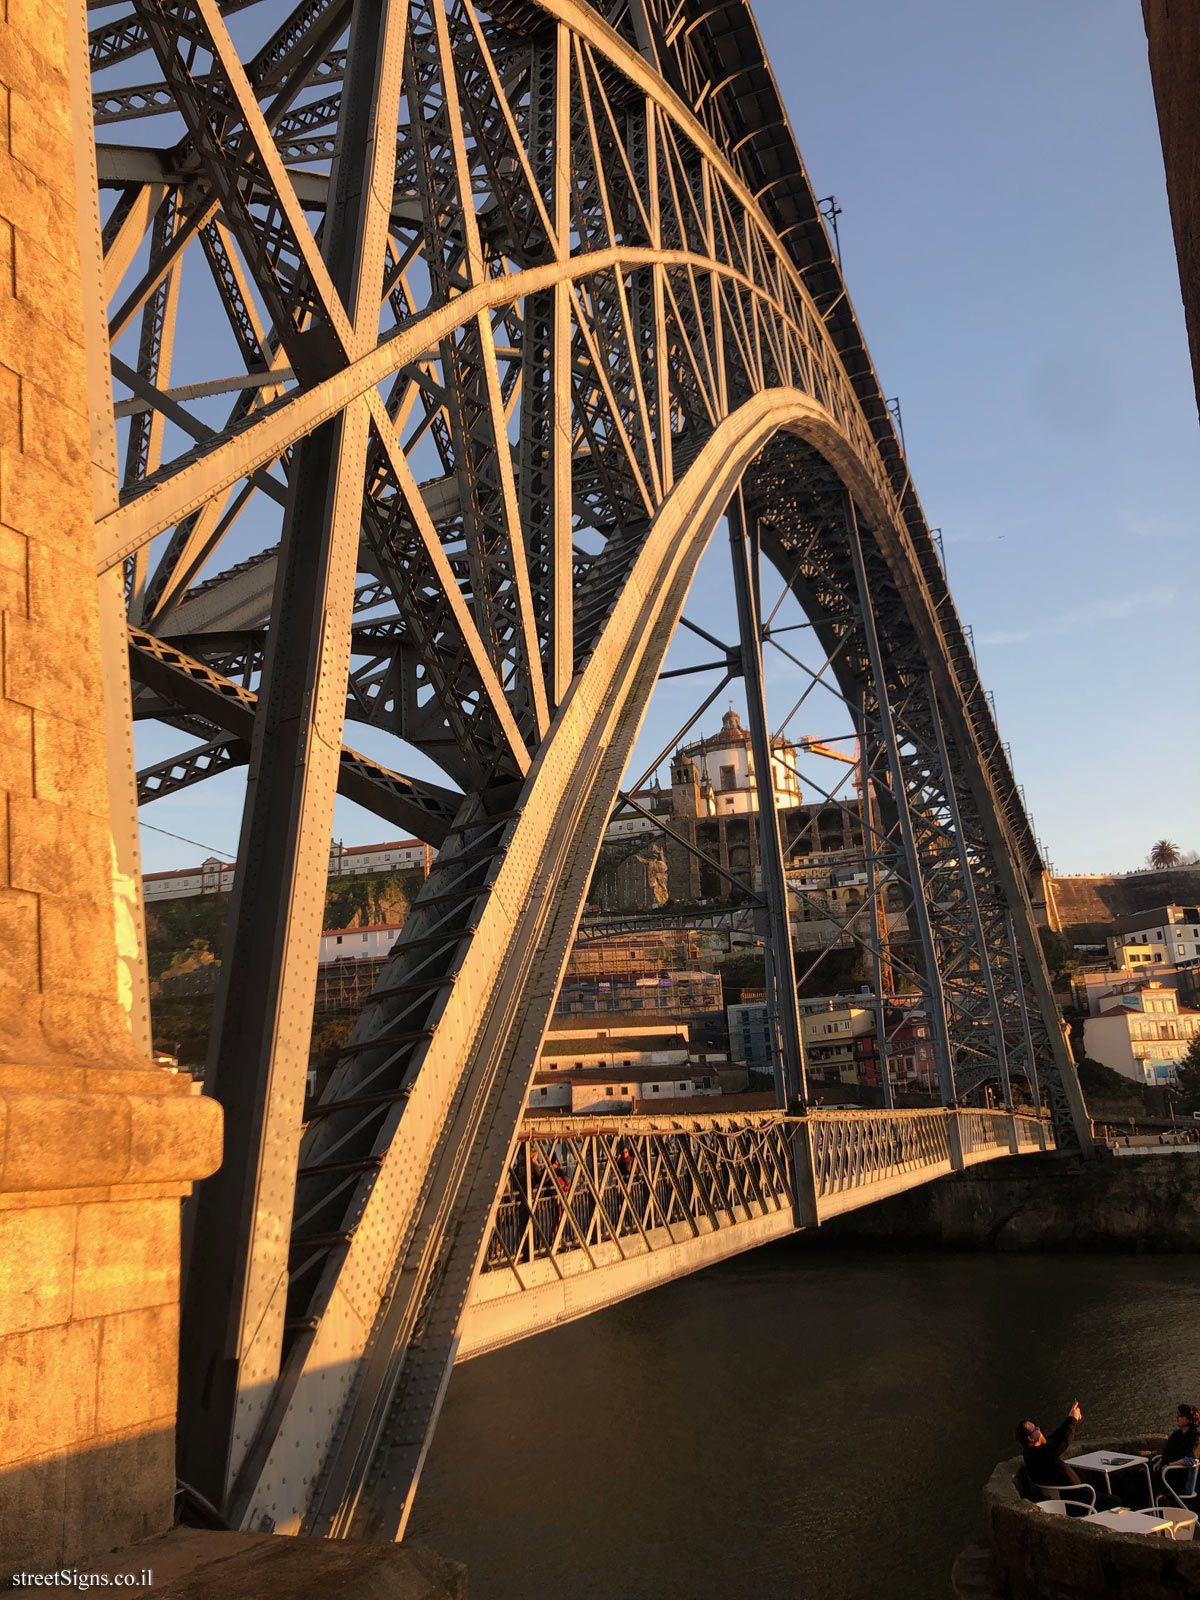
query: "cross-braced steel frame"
431, 340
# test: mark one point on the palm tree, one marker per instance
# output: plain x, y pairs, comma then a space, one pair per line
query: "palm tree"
1164, 854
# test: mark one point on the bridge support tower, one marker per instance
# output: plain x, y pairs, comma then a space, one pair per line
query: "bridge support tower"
96, 1144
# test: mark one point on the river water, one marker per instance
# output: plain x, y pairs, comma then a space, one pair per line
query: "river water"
795, 1424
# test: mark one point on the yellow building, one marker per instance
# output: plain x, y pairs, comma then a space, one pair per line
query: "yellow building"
830, 1051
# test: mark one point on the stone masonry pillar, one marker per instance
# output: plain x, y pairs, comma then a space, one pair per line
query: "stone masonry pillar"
97, 1146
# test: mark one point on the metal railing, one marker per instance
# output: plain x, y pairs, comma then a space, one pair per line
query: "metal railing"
855, 1149
585, 1187
599, 1190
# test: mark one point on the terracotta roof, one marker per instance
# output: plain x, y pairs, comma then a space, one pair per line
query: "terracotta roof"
599, 1045
678, 1072
369, 849
676, 1105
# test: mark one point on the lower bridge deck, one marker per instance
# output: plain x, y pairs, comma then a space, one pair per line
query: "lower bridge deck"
596, 1210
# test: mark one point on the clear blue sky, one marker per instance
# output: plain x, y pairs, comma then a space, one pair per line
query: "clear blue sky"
1007, 245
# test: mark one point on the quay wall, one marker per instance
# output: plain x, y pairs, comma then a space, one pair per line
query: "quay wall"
1051, 1202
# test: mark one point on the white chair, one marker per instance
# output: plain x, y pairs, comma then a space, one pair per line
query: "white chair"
1073, 1494
1179, 1487
1183, 1523
1052, 1508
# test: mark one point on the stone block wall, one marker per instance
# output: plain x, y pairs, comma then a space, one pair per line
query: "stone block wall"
58, 980
97, 1146
90, 1182
1049, 1202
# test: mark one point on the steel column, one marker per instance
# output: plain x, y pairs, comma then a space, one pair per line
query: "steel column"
234, 1303
968, 883
878, 911
1022, 1006
935, 996
791, 1083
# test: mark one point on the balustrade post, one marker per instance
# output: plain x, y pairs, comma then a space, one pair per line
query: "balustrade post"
804, 1179
1014, 1134
955, 1140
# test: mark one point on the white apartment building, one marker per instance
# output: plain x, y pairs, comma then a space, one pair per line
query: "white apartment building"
210, 877
609, 1068
1166, 936
583, 1049
394, 855
1090, 989
345, 861
353, 944
1143, 1034
614, 1092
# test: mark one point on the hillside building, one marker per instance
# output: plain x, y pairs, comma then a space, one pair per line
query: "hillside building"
612, 1069
841, 1043
1165, 936
1142, 1033
353, 944
213, 876
680, 995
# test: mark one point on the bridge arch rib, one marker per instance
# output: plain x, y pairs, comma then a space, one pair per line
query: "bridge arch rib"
514, 303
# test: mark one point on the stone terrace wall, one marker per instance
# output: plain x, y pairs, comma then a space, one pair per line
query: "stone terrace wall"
1046, 1202
1104, 898
1040, 1557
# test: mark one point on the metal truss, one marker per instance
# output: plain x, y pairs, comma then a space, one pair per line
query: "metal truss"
500, 305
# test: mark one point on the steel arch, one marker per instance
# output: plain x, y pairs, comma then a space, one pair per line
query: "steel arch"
534, 221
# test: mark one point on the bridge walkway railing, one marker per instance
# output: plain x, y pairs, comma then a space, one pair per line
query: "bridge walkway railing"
596, 1209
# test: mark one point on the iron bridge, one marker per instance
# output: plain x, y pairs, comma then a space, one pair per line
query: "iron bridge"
430, 341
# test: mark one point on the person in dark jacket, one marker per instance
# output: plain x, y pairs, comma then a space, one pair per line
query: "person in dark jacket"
1184, 1443
1181, 1449
1043, 1458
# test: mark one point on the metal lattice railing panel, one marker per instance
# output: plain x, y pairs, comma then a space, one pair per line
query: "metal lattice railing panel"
633, 1186
856, 1150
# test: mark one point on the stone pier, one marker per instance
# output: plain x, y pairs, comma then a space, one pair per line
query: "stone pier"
97, 1145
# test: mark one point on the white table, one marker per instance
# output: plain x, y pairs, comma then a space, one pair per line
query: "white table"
1130, 1521
1106, 1462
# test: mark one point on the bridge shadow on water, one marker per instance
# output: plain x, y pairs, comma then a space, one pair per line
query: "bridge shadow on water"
794, 1423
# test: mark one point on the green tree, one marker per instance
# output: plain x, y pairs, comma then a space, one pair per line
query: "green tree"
1164, 853
1057, 950
1099, 1082
1187, 1076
